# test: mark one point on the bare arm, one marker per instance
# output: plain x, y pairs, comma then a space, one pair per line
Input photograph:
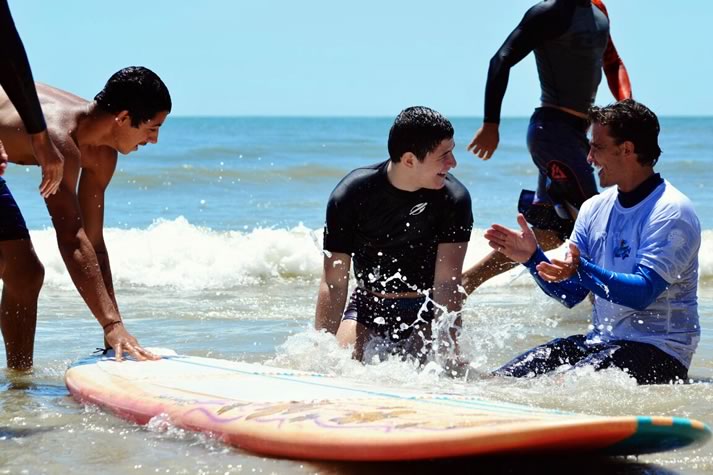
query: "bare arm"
447, 278
91, 190
447, 293
333, 290
83, 265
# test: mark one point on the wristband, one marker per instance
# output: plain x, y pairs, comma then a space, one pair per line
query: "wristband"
113, 322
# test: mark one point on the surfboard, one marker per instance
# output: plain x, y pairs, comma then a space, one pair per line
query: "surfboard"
294, 414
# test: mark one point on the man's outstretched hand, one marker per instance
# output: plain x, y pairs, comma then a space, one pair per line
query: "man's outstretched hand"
122, 342
485, 141
559, 270
51, 162
517, 246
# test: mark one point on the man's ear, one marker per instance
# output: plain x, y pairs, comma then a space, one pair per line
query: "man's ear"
123, 118
628, 147
409, 159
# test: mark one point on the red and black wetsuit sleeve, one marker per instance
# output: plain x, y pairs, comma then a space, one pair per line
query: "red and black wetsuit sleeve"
16, 75
614, 69
542, 22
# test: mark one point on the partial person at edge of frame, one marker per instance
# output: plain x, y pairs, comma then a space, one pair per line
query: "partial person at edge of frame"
17, 82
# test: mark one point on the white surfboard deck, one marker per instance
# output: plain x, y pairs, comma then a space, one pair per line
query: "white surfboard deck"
287, 413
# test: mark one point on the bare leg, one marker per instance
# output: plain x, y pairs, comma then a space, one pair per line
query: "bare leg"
495, 263
22, 274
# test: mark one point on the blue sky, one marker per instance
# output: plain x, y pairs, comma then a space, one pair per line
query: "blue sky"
335, 58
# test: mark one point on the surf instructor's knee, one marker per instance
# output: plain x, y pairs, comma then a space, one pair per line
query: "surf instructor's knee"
23, 273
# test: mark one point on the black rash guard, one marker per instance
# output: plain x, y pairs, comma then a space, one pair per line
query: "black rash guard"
16, 76
569, 38
629, 199
391, 234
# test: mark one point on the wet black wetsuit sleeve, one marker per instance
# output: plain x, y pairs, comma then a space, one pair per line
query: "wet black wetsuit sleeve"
544, 21
457, 224
16, 75
339, 229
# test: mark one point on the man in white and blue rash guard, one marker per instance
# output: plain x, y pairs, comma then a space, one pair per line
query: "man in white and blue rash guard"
635, 246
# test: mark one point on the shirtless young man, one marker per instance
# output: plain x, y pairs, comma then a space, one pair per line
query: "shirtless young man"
127, 113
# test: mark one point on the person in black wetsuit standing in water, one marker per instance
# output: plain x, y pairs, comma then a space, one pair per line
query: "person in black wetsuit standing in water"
572, 45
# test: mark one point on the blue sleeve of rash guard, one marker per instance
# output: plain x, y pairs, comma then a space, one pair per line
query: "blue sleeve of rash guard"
569, 292
637, 290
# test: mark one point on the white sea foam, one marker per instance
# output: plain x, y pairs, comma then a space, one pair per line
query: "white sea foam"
179, 254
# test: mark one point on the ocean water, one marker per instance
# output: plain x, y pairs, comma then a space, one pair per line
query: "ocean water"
214, 236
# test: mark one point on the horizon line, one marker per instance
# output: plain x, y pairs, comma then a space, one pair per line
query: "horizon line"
308, 116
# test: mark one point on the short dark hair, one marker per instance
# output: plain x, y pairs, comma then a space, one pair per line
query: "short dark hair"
135, 89
418, 130
631, 121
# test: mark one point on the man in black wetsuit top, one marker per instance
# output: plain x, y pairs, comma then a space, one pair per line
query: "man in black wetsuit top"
405, 223
572, 45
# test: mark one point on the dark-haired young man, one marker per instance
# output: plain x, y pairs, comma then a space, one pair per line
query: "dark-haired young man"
405, 223
635, 247
572, 46
127, 113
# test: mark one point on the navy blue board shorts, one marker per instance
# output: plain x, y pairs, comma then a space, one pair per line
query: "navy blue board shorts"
558, 144
12, 224
394, 320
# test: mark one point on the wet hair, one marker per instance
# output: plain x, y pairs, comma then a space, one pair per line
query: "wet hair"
418, 130
631, 121
137, 90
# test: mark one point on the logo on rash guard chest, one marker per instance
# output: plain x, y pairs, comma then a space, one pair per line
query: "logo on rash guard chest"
623, 250
418, 209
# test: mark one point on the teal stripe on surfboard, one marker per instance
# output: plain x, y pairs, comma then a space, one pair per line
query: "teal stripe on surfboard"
653, 437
